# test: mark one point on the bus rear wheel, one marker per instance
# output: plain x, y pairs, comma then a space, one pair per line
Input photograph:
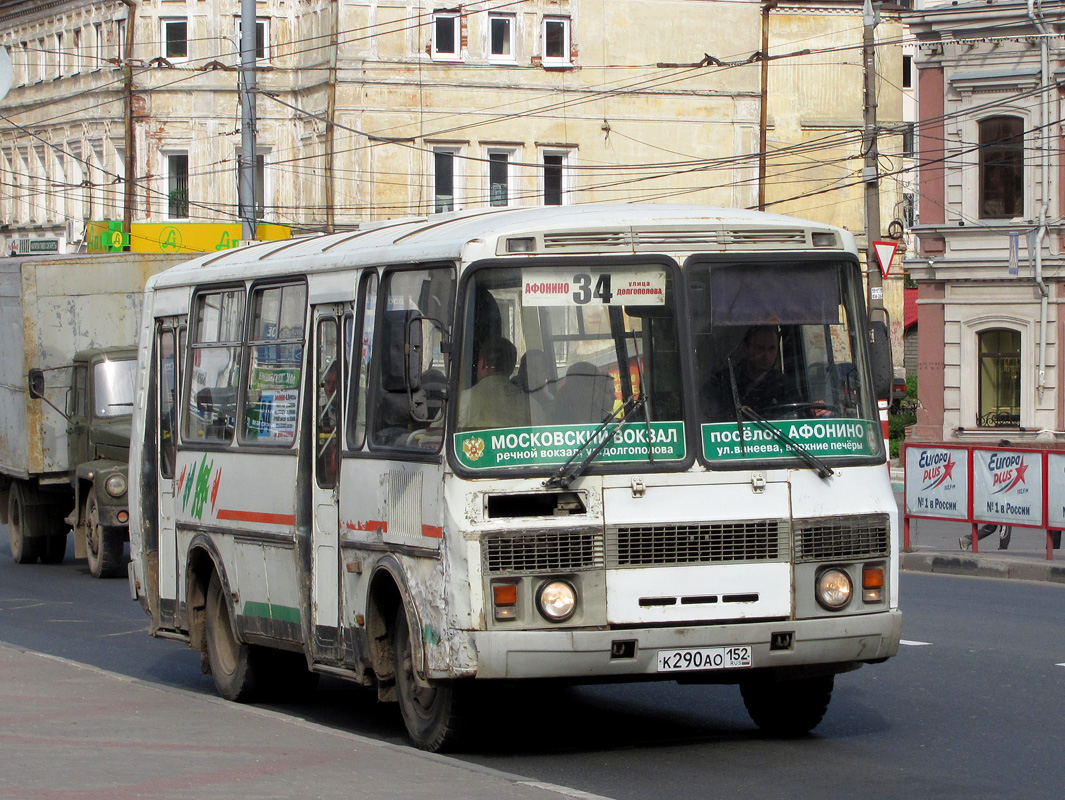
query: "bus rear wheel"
430, 713
232, 661
789, 707
103, 543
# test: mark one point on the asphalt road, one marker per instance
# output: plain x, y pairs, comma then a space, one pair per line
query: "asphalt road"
972, 707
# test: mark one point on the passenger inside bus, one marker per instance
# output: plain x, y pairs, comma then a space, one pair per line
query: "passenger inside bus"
586, 395
494, 401
536, 377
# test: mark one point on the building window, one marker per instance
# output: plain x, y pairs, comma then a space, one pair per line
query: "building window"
907, 72
262, 37
177, 185
909, 140
556, 41
1001, 168
501, 37
554, 178
175, 39
1000, 378
445, 179
446, 40
499, 178
60, 60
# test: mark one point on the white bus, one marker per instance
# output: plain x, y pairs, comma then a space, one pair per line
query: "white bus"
582, 443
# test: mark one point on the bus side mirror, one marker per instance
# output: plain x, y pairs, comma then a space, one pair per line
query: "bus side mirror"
880, 350
35, 383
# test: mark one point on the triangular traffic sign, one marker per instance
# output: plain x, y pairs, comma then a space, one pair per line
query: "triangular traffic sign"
885, 253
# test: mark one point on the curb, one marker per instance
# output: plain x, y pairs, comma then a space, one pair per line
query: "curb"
943, 564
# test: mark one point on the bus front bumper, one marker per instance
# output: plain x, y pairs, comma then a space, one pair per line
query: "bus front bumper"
634, 652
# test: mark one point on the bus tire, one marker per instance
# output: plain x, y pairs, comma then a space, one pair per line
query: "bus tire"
21, 519
232, 661
790, 707
429, 714
103, 544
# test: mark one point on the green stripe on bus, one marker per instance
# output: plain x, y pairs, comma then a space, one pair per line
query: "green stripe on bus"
270, 611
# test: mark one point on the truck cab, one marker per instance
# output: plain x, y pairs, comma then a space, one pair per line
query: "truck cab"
100, 411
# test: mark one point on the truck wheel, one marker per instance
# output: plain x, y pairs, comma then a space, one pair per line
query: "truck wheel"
787, 708
55, 549
430, 714
233, 663
102, 543
21, 519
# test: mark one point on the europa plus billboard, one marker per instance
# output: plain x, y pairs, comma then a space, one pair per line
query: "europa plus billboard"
1008, 486
937, 482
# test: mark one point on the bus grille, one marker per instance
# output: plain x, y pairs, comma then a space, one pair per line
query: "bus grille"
707, 543
832, 539
564, 551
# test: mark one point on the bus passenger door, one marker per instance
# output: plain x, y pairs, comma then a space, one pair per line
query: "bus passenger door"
327, 407
165, 562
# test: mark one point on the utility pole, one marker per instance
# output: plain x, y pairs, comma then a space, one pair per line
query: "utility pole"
763, 121
246, 184
129, 140
871, 169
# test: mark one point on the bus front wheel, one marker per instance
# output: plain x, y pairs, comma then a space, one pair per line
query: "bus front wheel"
788, 707
231, 660
430, 714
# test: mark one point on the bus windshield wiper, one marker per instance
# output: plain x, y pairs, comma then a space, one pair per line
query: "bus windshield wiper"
812, 461
820, 467
570, 471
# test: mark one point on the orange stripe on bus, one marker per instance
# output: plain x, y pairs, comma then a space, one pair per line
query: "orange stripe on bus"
256, 516
369, 525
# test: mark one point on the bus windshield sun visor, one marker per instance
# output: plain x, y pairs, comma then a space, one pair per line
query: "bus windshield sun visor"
761, 294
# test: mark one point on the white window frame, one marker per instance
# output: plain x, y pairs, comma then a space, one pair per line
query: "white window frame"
166, 155
457, 175
260, 22
968, 375
60, 56
456, 21
567, 187
264, 179
164, 23
564, 59
512, 158
508, 57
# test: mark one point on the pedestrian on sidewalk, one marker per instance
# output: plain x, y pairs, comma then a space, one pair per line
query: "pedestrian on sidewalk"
1004, 533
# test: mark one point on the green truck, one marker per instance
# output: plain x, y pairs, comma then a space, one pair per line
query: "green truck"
67, 369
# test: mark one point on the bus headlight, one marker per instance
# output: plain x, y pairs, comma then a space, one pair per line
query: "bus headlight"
834, 589
116, 485
557, 601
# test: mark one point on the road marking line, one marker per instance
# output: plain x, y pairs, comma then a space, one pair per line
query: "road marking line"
915, 644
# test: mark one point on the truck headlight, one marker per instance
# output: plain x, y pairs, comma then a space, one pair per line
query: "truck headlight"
557, 601
115, 485
834, 589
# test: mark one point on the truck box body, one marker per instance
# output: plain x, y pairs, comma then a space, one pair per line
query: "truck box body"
50, 308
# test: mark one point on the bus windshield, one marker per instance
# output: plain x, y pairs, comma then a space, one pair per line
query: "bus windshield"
558, 360
776, 343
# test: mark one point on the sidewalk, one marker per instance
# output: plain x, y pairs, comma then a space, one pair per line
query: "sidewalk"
70, 731
934, 548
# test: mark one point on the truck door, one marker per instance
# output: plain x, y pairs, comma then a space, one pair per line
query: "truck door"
328, 409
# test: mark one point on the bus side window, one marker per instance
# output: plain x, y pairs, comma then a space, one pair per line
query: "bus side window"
214, 367
360, 365
275, 361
